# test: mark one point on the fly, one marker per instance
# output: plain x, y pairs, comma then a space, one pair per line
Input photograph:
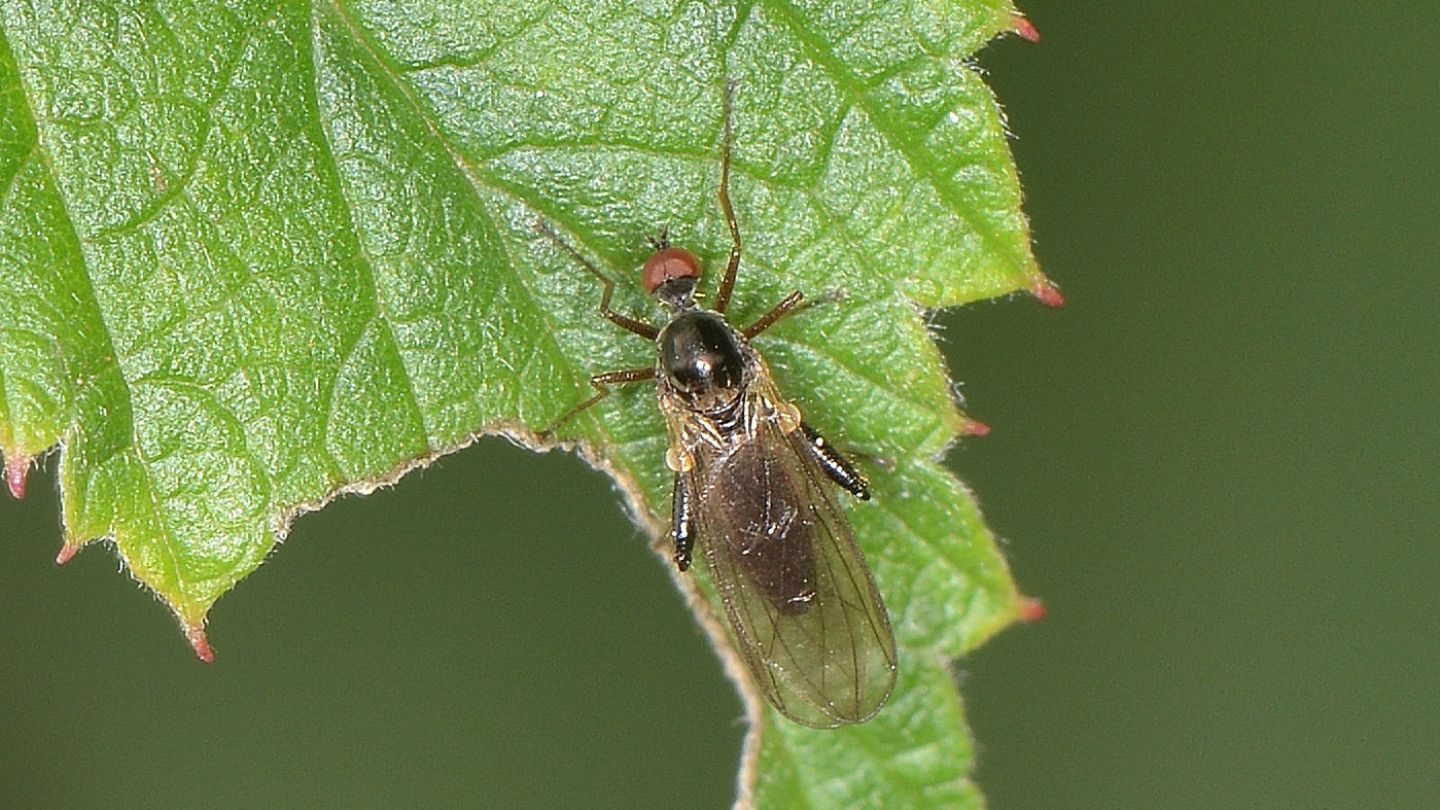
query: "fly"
752, 484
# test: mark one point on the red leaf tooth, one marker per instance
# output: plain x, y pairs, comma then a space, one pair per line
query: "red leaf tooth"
974, 427
17, 469
1046, 293
1032, 610
1026, 29
200, 644
67, 553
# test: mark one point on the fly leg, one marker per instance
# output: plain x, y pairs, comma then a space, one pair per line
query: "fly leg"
839, 468
682, 523
601, 383
727, 284
625, 322
779, 311
793, 303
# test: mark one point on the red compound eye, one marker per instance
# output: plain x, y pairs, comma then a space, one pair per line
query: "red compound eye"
671, 262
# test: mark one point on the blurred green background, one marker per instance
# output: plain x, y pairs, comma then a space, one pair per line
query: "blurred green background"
1215, 465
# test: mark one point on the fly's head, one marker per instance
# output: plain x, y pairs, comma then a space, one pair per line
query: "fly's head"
670, 276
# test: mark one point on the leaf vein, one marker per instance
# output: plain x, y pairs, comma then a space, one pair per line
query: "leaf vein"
173, 190
477, 181
919, 163
379, 313
88, 292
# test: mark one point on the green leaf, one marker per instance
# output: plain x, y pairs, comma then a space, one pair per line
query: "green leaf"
256, 254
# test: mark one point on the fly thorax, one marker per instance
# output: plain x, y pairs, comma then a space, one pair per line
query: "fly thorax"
702, 360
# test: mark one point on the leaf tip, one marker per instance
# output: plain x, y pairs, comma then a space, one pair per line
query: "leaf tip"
199, 643
1026, 29
17, 470
67, 553
1032, 610
1047, 293
974, 427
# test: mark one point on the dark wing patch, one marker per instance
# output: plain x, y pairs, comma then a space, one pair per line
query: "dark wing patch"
807, 617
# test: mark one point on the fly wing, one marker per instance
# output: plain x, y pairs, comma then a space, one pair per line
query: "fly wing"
808, 619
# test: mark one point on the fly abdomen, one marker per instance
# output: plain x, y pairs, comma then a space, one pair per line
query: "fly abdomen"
774, 534
782, 566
